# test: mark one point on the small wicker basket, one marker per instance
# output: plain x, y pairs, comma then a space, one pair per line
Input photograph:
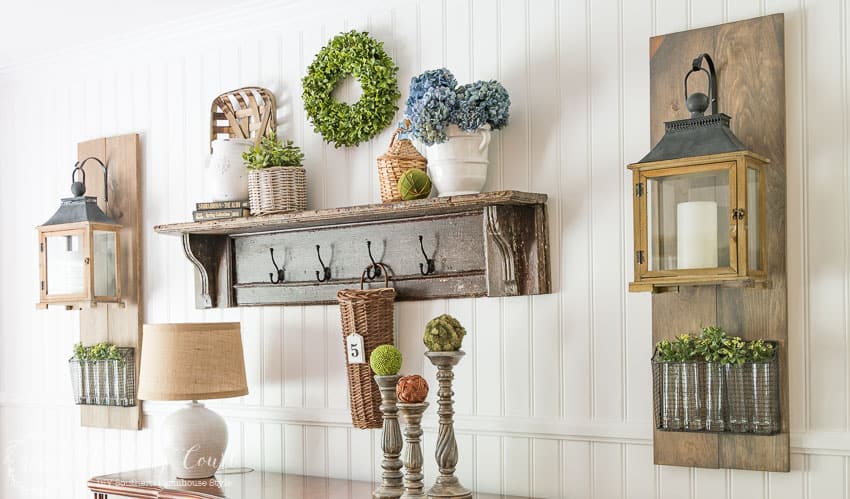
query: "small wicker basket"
279, 189
368, 312
400, 157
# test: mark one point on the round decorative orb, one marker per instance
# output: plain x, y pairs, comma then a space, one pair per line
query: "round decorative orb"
414, 184
385, 360
443, 334
412, 389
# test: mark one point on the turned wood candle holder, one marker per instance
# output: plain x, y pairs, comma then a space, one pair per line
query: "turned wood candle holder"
413, 460
447, 484
392, 486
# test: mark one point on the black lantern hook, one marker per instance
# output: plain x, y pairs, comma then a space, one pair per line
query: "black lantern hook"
79, 188
699, 102
279, 271
327, 270
428, 267
373, 270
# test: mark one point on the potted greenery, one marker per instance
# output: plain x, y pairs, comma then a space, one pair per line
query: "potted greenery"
102, 374
711, 341
454, 122
763, 379
277, 181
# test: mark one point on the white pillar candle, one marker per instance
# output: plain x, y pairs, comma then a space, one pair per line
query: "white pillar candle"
696, 229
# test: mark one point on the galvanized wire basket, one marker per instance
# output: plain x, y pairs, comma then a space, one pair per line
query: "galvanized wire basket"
105, 382
707, 396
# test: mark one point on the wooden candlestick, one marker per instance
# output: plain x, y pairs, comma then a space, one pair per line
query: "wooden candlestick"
413, 460
392, 486
447, 484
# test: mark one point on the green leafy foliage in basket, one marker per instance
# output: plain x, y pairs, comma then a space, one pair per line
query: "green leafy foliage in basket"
271, 152
98, 351
759, 351
680, 349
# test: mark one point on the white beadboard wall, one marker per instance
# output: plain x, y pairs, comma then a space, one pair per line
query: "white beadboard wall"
553, 399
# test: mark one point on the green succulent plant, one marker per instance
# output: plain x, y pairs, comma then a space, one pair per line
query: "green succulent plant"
443, 334
271, 152
734, 351
710, 342
385, 360
681, 349
759, 351
98, 351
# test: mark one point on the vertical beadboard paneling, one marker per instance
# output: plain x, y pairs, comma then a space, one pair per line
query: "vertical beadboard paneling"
572, 362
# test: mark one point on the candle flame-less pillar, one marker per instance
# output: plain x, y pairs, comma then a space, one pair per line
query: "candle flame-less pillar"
696, 232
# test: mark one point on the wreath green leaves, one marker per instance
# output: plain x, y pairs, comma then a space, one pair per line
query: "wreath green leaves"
360, 56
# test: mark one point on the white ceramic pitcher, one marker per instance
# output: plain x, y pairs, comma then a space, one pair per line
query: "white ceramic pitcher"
459, 165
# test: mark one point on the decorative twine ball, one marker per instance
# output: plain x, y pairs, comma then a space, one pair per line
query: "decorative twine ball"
385, 360
412, 389
414, 184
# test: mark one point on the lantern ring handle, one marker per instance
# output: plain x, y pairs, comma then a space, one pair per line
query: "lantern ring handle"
696, 66
78, 166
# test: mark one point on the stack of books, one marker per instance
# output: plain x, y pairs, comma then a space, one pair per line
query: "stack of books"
219, 210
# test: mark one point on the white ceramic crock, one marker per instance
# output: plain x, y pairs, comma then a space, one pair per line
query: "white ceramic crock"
226, 175
459, 165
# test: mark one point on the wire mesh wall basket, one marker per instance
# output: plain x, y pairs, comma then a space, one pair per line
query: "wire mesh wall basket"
105, 382
707, 396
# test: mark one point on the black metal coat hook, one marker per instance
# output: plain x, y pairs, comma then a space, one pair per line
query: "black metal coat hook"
429, 262
278, 270
373, 270
327, 270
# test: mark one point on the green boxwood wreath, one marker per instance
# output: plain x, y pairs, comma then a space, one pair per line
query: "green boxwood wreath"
360, 56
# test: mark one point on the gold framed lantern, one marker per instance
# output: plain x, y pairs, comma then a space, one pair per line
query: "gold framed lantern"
699, 202
80, 250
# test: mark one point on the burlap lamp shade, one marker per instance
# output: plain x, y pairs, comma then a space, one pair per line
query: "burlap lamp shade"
192, 362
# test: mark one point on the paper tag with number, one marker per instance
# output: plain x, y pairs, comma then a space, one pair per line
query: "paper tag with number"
354, 343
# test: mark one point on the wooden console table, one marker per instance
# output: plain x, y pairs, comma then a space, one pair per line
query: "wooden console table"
157, 483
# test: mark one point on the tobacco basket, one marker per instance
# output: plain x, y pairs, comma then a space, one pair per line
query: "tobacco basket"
368, 312
244, 113
105, 382
400, 157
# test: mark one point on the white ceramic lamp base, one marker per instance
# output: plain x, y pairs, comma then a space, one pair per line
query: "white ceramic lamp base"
194, 440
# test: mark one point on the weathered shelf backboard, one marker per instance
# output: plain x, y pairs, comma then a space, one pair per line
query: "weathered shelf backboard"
490, 244
750, 57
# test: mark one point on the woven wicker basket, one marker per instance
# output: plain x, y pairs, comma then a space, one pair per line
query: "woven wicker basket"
368, 312
244, 113
280, 189
400, 157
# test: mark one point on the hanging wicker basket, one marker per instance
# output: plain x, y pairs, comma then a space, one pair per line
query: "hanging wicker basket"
368, 312
280, 189
400, 157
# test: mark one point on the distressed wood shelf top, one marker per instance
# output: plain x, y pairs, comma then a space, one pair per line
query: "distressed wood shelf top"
489, 244
354, 214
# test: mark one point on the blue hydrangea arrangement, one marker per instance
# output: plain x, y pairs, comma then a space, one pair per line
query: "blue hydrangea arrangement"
436, 101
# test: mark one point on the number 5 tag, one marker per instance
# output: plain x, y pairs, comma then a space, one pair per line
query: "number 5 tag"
355, 348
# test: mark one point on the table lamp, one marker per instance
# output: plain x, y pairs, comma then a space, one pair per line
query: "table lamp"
192, 362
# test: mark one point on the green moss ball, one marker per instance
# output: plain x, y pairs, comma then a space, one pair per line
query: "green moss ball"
443, 334
385, 360
414, 184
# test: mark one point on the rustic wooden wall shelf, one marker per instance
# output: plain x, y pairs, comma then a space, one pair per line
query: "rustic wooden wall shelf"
751, 79
490, 244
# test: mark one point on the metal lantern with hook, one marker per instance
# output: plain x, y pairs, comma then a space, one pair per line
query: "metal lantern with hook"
699, 201
80, 250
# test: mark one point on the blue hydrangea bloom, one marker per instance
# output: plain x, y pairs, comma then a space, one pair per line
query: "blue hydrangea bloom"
430, 114
429, 79
481, 103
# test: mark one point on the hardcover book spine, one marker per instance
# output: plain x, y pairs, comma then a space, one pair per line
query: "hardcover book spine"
202, 215
221, 205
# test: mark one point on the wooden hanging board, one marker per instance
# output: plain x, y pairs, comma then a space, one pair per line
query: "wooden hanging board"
750, 59
120, 325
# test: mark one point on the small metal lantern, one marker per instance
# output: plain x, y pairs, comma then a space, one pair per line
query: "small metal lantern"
80, 250
699, 201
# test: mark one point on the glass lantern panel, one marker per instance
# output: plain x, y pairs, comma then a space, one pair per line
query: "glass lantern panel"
687, 225
105, 266
753, 218
65, 265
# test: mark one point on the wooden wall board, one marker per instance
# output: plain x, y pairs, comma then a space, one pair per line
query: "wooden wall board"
121, 325
750, 60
